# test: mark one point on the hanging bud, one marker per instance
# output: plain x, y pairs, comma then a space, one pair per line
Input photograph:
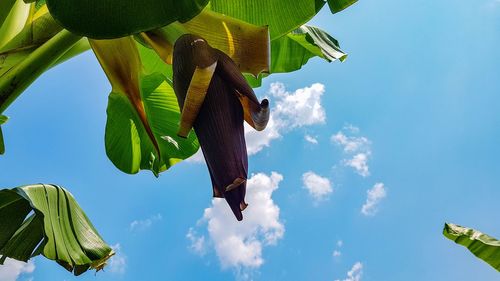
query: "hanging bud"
215, 99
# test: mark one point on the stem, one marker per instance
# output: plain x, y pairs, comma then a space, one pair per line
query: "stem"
14, 82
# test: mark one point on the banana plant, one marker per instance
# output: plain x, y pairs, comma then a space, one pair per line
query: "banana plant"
157, 114
261, 37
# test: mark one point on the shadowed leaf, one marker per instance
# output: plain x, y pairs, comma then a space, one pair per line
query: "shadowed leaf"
117, 18
46, 219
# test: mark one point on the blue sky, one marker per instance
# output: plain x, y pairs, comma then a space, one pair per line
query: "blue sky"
418, 96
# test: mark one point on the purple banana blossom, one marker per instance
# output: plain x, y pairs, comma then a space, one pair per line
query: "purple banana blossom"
217, 113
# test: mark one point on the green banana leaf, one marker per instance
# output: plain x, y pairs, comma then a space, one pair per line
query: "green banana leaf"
339, 5
14, 21
143, 114
292, 51
481, 245
281, 16
46, 219
117, 18
3, 119
5, 7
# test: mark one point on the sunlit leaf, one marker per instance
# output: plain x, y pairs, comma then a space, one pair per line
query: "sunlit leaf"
481, 245
246, 44
15, 20
339, 5
46, 219
281, 16
5, 7
117, 18
143, 114
291, 52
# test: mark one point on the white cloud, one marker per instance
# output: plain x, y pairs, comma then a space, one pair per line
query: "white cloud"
118, 262
301, 108
289, 111
319, 187
239, 245
311, 139
337, 253
355, 273
198, 244
351, 144
12, 269
357, 149
359, 162
140, 225
374, 196
256, 141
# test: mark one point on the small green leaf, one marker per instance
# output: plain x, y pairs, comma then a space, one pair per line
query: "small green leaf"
117, 18
2, 144
339, 5
46, 219
3, 119
481, 245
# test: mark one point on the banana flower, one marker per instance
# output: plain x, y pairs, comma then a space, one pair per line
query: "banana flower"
215, 99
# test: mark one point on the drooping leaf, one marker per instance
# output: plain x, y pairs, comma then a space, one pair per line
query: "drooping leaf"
281, 16
143, 114
339, 5
117, 18
246, 44
291, 52
46, 219
481, 245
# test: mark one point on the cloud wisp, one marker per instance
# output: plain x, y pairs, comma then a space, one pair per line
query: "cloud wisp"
354, 274
311, 139
357, 149
12, 269
373, 198
319, 187
141, 225
118, 262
